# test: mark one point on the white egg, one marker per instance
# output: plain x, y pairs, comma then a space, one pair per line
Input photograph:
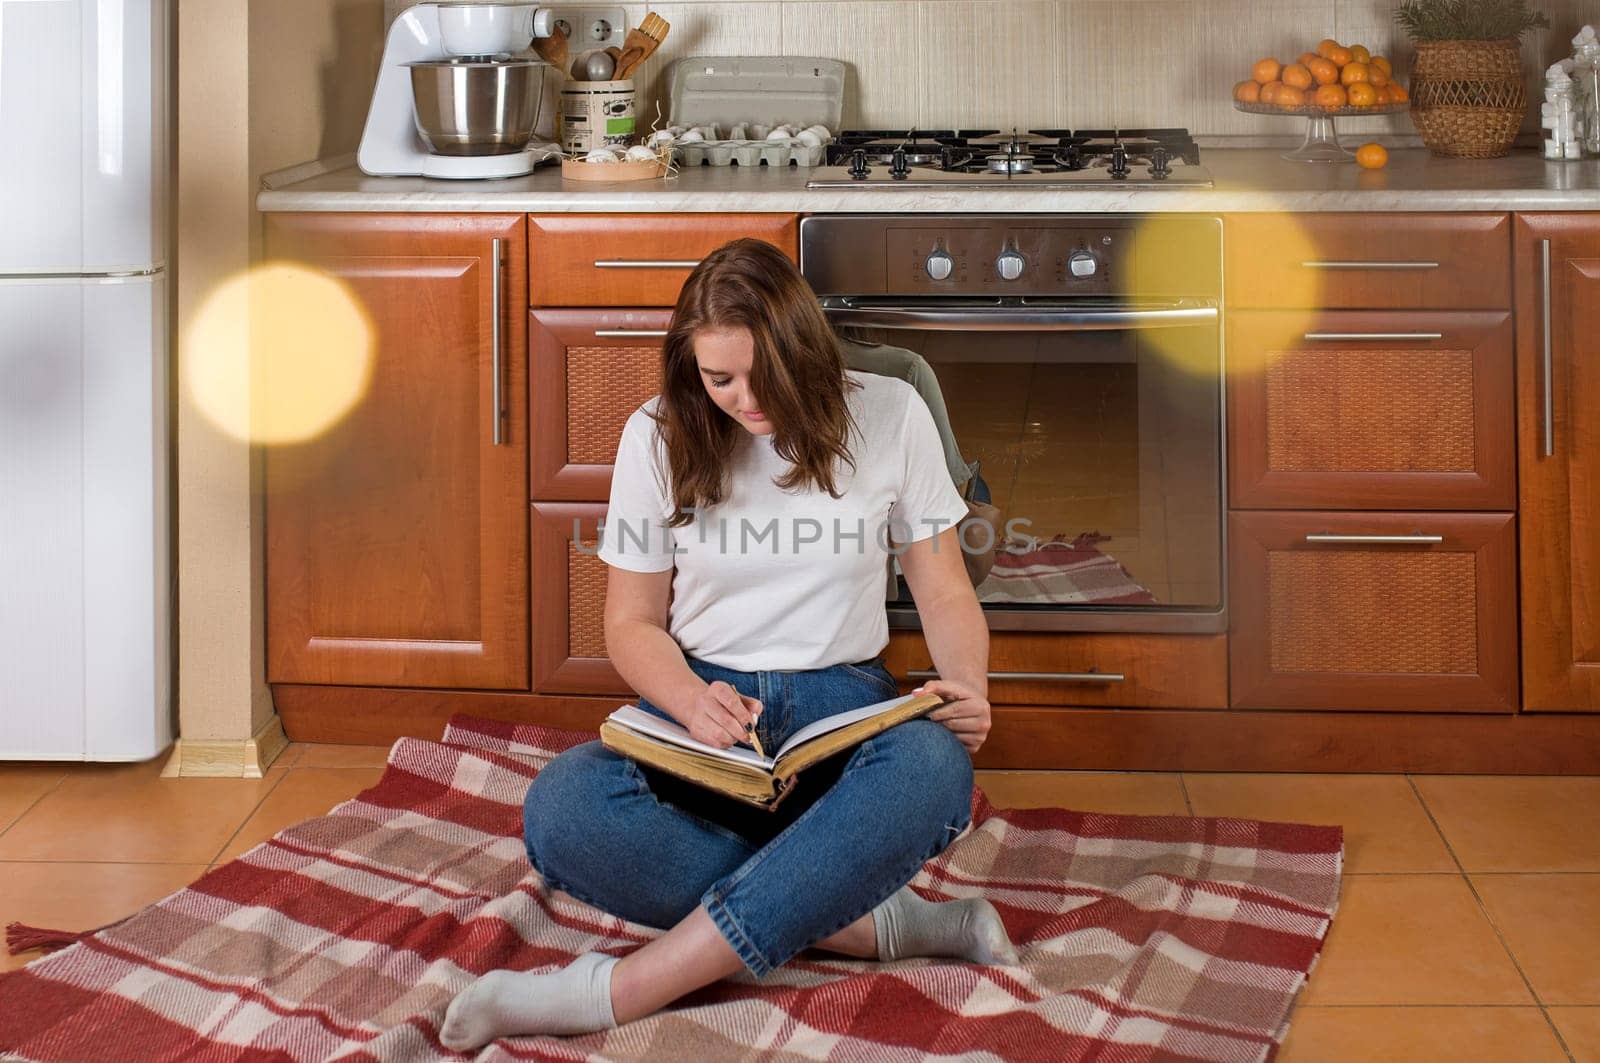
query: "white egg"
693, 136
820, 131
661, 136
808, 138
601, 155
780, 134
640, 153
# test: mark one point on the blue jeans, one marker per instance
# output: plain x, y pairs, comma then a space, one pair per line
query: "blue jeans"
650, 848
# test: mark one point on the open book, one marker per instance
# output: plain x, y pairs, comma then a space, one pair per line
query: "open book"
742, 773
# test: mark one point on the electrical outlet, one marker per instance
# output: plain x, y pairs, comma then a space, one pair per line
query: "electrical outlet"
589, 28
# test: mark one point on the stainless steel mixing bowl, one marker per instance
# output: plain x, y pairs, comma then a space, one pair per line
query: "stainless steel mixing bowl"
474, 106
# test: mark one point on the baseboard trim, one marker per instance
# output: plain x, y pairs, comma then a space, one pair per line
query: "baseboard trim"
236, 759
1041, 737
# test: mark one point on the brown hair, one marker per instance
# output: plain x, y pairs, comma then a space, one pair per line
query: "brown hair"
797, 374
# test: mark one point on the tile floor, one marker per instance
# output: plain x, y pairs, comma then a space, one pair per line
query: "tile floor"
1469, 927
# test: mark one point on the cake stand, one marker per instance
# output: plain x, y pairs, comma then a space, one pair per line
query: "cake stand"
1322, 139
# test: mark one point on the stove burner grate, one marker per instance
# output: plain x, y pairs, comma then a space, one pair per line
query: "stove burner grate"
1039, 151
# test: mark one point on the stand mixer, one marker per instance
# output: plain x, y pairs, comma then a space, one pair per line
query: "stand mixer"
452, 99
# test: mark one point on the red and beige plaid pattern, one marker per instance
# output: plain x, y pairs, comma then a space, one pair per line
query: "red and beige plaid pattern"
1058, 571
346, 936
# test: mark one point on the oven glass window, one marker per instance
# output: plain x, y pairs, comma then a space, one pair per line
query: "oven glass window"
1097, 458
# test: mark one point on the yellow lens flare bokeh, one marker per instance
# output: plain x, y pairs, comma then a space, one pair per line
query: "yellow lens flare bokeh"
278, 354
1178, 254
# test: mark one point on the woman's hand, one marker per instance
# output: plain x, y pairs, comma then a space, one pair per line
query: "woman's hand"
720, 715
965, 711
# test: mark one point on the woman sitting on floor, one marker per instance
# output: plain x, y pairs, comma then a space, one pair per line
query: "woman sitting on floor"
721, 626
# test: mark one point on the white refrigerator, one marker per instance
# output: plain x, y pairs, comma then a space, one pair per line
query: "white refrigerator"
85, 579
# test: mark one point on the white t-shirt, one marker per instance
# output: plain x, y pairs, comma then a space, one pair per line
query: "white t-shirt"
776, 580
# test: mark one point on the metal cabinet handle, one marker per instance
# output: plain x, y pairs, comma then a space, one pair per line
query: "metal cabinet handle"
1325, 537
1355, 264
1059, 677
646, 263
494, 343
624, 333
1549, 382
1321, 336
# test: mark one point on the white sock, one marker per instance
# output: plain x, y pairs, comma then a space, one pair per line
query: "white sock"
907, 925
575, 999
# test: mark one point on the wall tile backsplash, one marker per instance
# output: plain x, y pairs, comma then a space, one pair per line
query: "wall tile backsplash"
1057, 63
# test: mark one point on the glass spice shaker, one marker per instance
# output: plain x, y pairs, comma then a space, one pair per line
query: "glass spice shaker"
1559, 115
1586, 74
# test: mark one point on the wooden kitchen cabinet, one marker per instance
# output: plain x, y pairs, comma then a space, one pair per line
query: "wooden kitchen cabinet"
1371, 410
589, 370
1328, 615
1558, 411
1086, 669
569, 602
397, 541
1369, 261
636, 259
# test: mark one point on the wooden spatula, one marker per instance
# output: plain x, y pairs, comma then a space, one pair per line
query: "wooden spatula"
646, 37
553, 49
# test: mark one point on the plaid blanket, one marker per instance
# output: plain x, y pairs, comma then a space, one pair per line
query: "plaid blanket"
1058, 571
346, 936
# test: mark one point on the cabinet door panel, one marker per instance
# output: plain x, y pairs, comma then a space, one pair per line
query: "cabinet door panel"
589, 370
1133, 671
569, 603
635, 259
1559, 460
397, 539
1369, 261
1341, 411
1364, 625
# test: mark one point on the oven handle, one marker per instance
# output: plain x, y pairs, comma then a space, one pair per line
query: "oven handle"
1015, 319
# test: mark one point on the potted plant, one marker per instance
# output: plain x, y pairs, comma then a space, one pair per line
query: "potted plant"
1467, 91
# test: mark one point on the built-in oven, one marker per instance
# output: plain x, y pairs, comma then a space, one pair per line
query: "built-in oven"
1078, 361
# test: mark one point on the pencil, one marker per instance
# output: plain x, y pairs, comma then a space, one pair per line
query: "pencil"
756, 742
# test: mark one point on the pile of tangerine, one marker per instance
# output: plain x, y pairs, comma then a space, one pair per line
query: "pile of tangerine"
1333, 77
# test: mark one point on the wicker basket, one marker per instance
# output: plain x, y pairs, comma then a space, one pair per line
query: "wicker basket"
1468, 97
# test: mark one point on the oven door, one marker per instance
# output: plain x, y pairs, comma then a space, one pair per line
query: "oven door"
1096, 431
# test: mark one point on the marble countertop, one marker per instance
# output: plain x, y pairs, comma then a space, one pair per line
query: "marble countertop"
1245, 180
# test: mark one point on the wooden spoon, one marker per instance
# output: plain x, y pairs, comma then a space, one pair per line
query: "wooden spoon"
631, 58
553, 49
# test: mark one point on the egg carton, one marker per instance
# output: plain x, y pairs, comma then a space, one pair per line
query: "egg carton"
727, 91
749, 153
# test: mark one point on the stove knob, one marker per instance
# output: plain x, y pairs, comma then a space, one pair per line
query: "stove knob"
858, 165
898, 168
1119, 161
1009, 265
939, 265
1082, 264
1160, 165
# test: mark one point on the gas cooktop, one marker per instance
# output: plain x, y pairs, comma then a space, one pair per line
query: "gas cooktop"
1038, 158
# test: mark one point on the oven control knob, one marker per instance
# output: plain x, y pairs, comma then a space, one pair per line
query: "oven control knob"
1010, 265
1082, 264
939, 265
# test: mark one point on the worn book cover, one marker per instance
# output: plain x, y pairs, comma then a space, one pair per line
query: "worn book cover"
742, 773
